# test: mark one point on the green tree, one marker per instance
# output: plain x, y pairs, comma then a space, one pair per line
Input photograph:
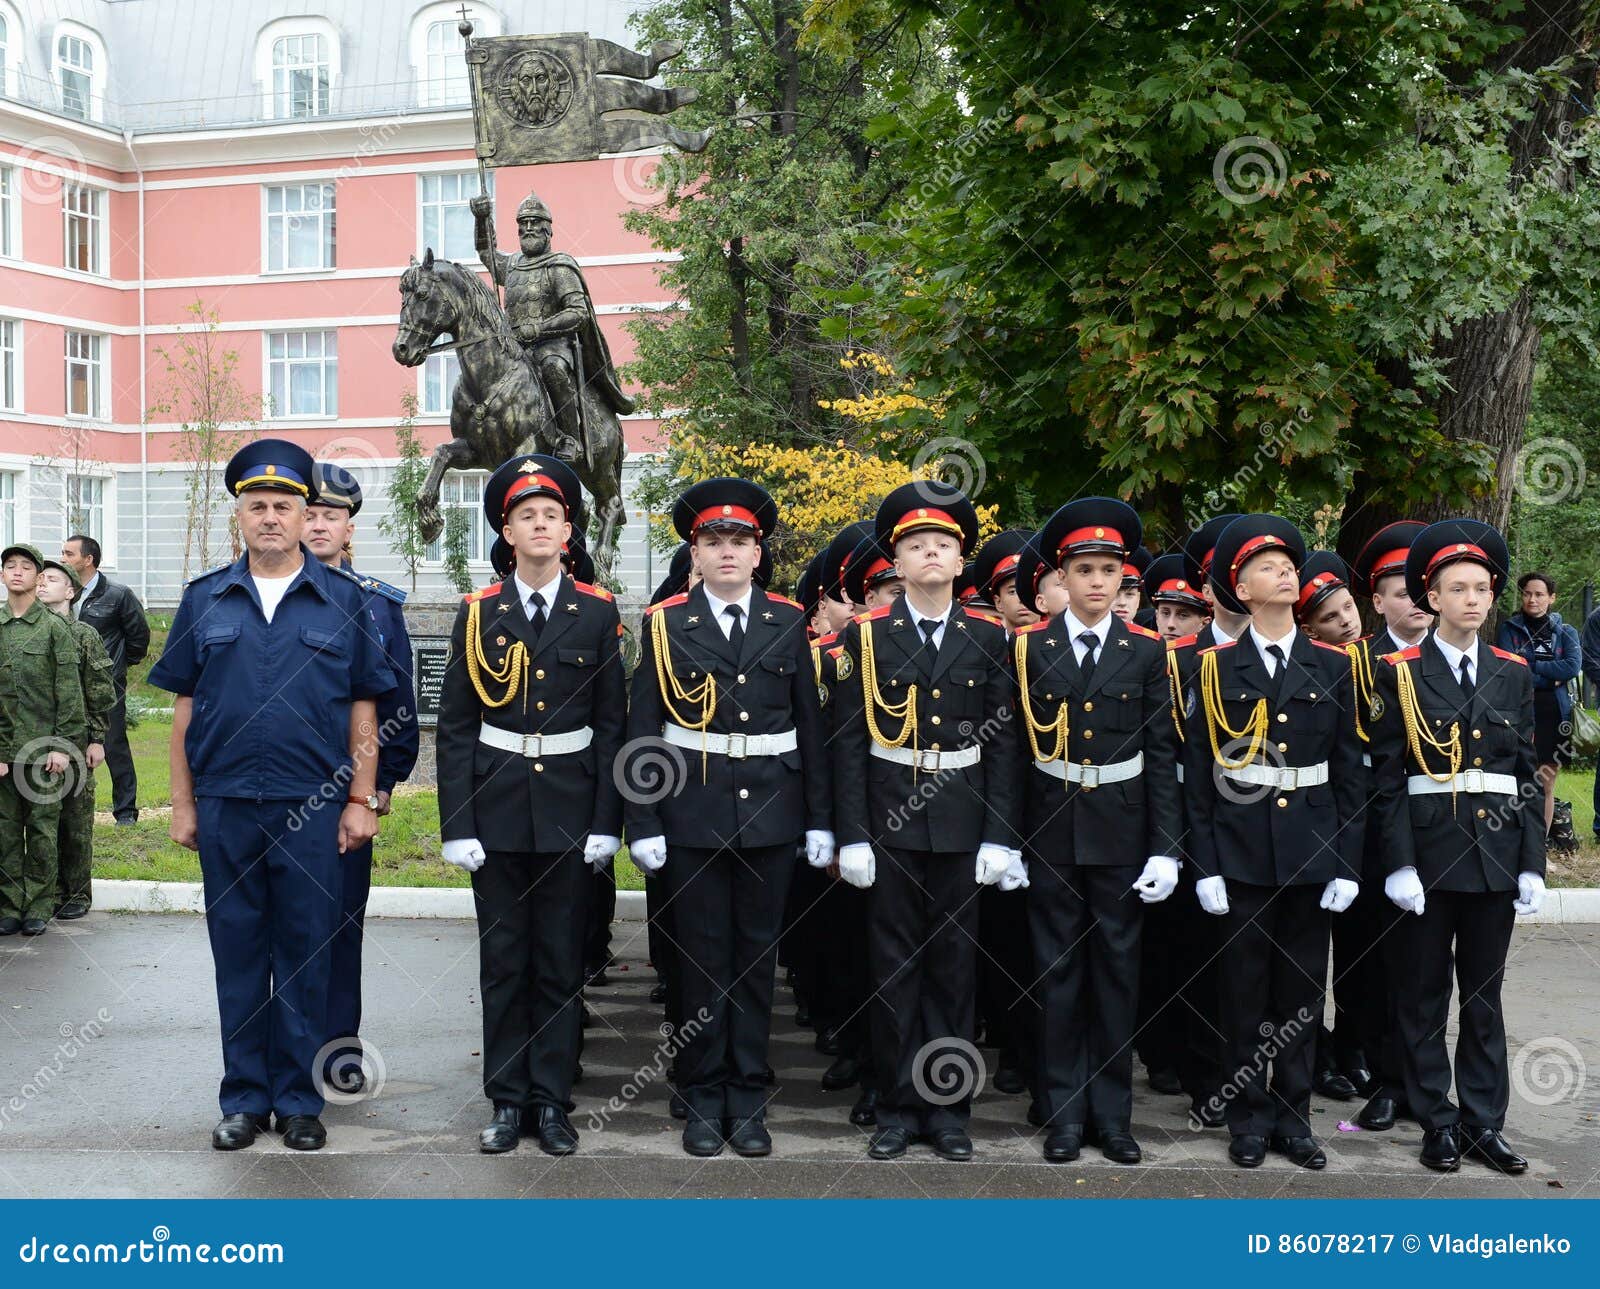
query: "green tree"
457, 525
402, 525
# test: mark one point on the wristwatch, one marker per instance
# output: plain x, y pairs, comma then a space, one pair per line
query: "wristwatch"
371, 803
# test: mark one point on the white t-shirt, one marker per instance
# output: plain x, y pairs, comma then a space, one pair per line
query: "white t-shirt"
271, 590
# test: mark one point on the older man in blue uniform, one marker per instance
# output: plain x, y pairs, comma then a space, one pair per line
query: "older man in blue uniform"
277, 669
330, 530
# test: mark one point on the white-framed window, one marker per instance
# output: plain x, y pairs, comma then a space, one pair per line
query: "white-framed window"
438, 53
440, 372
10, 365
303, 373
446, 222
10, 214
299, 227
78, 67
463, 490
10, 49
86, 374
83, 227
8, 507
301, 77
86, 506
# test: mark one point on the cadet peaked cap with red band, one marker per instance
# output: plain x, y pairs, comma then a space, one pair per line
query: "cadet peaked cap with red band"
1241, 541
533, 474
725, 505
1133, 568
927, 504
997, 560
1166, 582
869, 565
1321, 574
1201, 547
1384, 553
1455, 541
1091, 525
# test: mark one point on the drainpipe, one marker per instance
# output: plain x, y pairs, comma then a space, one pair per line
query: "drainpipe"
144, 419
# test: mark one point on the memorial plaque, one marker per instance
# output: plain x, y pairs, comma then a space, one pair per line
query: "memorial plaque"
430, 657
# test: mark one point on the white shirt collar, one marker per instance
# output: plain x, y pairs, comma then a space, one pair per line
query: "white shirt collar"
550, 590
1075, 628
1286, 644
1453, 656
719, 605
1220, 634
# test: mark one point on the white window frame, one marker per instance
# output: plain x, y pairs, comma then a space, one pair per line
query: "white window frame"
271, 410
11, 50
423, 205
279, 29
99, 227
98, 74
329, 241
11, 357
107, 536
100, 382
485, 22
10, 213
11, 506
441, 363
433, 553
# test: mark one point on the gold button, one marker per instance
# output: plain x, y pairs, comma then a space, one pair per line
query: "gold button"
1477, 760
971, 683
1477, 733
1048, 696
1283, 716
936, 693
1283, 747
580, 657
744, 793
1088, 707
934, 747
1311, 695
540, 705
895, 683
1087, 761
1483, 814
741, 678
1283, 801
934, 719
538, 767
744, 716
1088, 734
539, 675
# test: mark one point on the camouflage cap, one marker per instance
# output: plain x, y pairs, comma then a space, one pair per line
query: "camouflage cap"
64, 567
22, 548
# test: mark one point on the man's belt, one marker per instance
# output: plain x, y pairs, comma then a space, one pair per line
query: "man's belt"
736, 747
927, 760
535, 744
1420, 785
1093, 776
1284, 778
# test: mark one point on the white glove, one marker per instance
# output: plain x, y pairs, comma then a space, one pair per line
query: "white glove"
1015, 878
992, 863
819, 847
857, 864
1213, 893
649, 853
1404, 889
466, 852
1530, 889
598, 850
1159, 879
1340, 894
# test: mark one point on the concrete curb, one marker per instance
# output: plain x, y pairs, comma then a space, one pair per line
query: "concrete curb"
384, 902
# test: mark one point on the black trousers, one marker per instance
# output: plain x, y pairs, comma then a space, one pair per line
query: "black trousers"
1473, 930
344, 968
1162, 1029
1362, 999
1273, 967
727, 911
1005, 972
1197, 954
119, 761
1086, 924
602, 908
804, 945
923, 920
531, 918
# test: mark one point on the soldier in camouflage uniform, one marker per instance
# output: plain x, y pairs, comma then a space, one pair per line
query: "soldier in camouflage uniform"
59, 589
41, 723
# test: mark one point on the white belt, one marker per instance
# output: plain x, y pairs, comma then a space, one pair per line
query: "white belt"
1285, 778
1092, 776
1179, 769
927, 759
1366, 759
736, 747
1420, 785
536, 744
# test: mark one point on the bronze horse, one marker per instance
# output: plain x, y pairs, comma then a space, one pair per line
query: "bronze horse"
500, 406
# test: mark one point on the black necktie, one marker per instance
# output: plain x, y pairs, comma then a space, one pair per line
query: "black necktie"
536, 613
1089, 641
929, 626
736, 631
1279, 661
1466, 678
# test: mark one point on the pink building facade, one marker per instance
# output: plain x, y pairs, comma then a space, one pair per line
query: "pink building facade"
277, 170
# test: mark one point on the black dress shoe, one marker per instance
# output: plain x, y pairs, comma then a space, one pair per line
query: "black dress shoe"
302, 1131
802, 1016
658, 992
1166, 1082
1064, 1143
598, 978
1379, 1114
1207, 1114
34, 926
1118, 1145
71, 910
1303, 1151
1487, 1146
888, 1143
864, 1113
952, 1144
1334, 1086
677, 1107
1248, 1150
1440, 1151
1035, 1114
702, 1138
845, 1072
1008, 1079
236, 1131
344, 1076
749, 1137
828, 1042
554, 1130
500, 1133
10, 926
1362, 1079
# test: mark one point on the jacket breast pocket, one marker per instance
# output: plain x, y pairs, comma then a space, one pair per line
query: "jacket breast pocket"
214, 639
1124, 708
577, 657
779, 664
1313, 711
1502, 730
327, 643
967, 686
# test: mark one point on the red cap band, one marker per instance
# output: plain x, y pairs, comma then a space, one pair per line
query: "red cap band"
876, 569
1455, 551
1205, 564
725, 514
1004, 569
524, 483
1096, 536
1315, 587
925, 517
1392, 562
1177, 586
1264, 541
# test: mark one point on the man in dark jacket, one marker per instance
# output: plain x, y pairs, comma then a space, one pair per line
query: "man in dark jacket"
115, 612
1591, 673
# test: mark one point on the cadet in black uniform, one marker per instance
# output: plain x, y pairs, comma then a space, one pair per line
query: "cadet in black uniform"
534, 702
1274, 783
727, 690
1101, 826
925, 777
1463, 839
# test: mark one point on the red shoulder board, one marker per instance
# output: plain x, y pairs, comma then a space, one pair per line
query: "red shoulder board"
1037, 626
1406, 655
1137, 630
1221, 644
1509, 657
1183, 642
784, 599
483, 594
835, 651
681, 598
882, 611
1323, 644
822, 642
982, 616
589, 588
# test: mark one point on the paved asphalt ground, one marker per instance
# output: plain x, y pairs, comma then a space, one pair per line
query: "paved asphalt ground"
109, 1061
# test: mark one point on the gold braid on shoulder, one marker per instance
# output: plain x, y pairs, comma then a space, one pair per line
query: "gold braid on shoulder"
512, 673
1255, 728
704, 694
1361, 673
904, 711
1036, 729
1418, 733
1175, 684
